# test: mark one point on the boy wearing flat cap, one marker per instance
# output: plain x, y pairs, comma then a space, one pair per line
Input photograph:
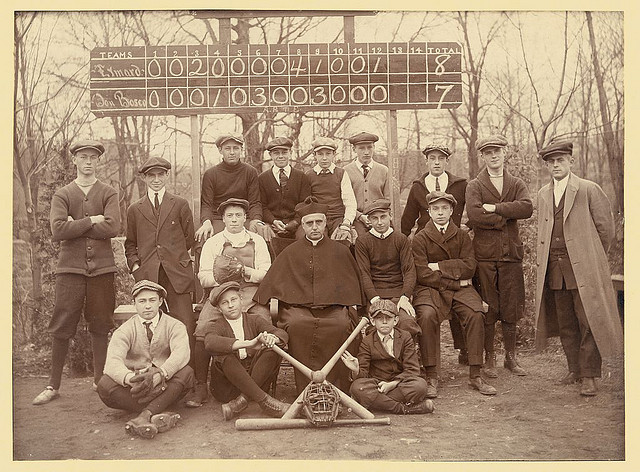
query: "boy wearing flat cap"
331, 186
496, 200
281, 188
250, 254
243, 364
444, 267
85, 215
386, 264
387, 372
228, 179
368, 178
159, 236
574, 295
146, 370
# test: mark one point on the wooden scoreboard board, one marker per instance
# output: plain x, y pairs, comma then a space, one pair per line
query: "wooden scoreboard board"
202, 79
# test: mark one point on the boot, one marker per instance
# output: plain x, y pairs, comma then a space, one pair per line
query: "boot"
197, 396
165, 421
273, 407
588, 388
511, 363
235, 406
463, 357
142, 425
420, 408
490, 365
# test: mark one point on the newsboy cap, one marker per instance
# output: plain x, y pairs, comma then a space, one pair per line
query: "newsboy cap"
559, 146
155, 163
381, 204
436, 147
323, 142
363, 137
438, 195
148, 285
87, 144
241, 202
216, 293
494, 140
310, 205
279, 143
229, 137
383, 306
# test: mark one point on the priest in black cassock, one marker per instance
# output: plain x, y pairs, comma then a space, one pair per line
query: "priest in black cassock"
315, 280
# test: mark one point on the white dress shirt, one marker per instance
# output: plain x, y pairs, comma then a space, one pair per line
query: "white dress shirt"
384, 235
430, 182
559, 186
276, 172
152, 195
238, 332
388, 347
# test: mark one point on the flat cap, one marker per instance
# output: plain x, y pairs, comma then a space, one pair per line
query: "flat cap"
438, 195
216, 293
310, 205
323, 142
155, 163
87, 144
436, 147
279, 143
363, 137
229, 137
148, 285
381, 204
494, 140
559, 146
383, 306
241, 202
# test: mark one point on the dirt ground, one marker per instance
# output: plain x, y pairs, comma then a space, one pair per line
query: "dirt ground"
531, 418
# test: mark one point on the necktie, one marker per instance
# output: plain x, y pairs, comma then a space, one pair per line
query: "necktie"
437, 185
156, 203
388, 344
365, 170
442, 231
324, 171
283, 178
147, 325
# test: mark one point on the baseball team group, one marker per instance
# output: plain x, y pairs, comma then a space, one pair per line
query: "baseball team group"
294, 259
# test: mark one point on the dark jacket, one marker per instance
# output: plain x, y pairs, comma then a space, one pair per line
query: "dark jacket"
496, 236
219, 337
165, 240
279, 203
375, 362
417, 207
454, 254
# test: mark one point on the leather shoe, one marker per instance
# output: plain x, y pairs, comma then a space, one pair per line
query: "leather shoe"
463, 357
46, 396
197, 396
569, 379
234, 407
490, 365
480, 385
511, 363
588, 388
420, 408
165, 421
142, 426
273, 407
432, 387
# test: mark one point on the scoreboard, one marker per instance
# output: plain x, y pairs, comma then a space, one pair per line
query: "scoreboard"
202, 79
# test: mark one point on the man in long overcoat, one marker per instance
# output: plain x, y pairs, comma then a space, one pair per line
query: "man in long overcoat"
574, 294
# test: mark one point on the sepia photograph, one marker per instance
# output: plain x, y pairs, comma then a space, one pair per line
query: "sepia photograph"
367, 234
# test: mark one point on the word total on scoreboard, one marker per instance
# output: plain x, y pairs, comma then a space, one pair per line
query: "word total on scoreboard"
184, 80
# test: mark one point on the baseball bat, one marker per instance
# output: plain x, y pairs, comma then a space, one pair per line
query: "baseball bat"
293, 361
356, 407
249, 424
295, 407
329, 365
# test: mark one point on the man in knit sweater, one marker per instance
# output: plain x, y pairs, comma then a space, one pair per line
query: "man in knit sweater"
281, 188
228, 179
368, 177
331, 186
85, 215
153, 346
386, 265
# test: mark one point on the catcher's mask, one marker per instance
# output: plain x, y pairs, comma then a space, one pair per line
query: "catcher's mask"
321, 403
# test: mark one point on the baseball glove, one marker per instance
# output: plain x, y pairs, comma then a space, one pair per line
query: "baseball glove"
227, 268
145, 388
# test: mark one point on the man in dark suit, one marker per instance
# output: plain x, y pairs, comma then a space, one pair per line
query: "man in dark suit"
160, 233
281, 188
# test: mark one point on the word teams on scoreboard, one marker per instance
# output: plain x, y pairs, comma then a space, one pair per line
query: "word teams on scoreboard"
184, 80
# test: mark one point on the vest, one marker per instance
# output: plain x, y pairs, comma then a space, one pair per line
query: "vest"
559, 271
326, 188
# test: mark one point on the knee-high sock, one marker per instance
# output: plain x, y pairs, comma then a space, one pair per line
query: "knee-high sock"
59, 348
201, 360
509, 336
489, 335
99, 344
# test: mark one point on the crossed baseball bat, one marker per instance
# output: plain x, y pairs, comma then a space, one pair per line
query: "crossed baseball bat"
289, 420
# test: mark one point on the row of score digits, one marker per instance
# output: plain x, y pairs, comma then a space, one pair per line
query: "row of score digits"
233, 78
